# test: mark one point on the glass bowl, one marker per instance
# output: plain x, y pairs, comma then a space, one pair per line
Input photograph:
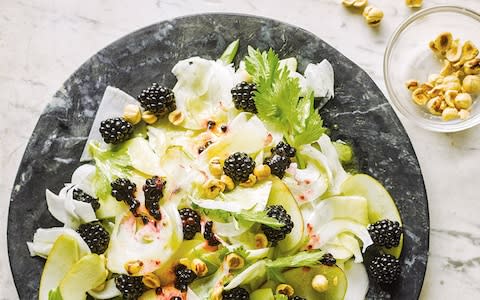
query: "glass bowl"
408, 56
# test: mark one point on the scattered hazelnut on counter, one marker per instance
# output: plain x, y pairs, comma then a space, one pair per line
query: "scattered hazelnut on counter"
355, 3
373, 15
132, 114
414, 3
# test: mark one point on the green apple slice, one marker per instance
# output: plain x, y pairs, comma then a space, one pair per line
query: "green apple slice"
301, 281
65, 252
380, 203
280, 195
262, 294
86, 274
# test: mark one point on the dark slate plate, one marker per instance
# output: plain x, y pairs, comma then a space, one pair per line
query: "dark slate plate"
359, 114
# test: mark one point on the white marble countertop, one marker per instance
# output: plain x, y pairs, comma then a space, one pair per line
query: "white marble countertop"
43, 42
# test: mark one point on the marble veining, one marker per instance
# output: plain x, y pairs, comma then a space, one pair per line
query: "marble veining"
42, 43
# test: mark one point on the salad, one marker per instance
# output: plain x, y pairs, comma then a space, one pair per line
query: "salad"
226, 186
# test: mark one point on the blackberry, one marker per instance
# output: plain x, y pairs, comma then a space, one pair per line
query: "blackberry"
385, 233
115, 130
384, 268
190, 223
157, 99
242, 96
123, 190
279, 213
131, 287
239, 166
183, 277
328, 259
297, 298
96, 237
237, 293
208, 234
284, 149
153, 189
80, 195
278, 164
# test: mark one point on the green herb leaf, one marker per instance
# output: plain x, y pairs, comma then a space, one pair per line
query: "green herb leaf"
260, 217
230, 52
301, 259
278, 99
55, 294
240, 251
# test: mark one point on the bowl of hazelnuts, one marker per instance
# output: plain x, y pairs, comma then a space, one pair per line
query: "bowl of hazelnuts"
432, 68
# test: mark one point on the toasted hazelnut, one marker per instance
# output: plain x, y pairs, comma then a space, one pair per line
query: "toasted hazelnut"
411, 84
261, 241
453, 86
451, 78
449, 113
433, 105
133, 267
213, 187
426, 86
419, 96
472, 67
355, 3
450, 97
464, 114
262, 172
443, 105
471, 84
199, 267
151, 281
215, 166
252, 179
234, 261
434, 79
436, 91
320, 283
372, 15
414, 3
176, 117
229, 184
447, 68
463, 100
285, 289
443, 42
469, 52
132, 114
149, 117
455, 52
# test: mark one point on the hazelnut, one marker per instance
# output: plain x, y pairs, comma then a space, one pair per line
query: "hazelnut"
443, 42
435, 79
433, 105
355, 3
419, 96
449, 113
463, 100
285, 289
213, 187
132, 114
373, 15
414, 3
447, 68
471, 84
252, 179
464, 114
320, 283
215, 166
199, 267
228, 182
454, 54
149, 117
261, 241
176, 117
133, 267
412, 84
472, 67
151, 281
469, 52
450, 97
262, 172
234, 261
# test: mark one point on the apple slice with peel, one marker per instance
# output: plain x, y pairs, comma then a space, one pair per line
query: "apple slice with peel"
86, 274
280, 195
380, 203
65, 252
301, 281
